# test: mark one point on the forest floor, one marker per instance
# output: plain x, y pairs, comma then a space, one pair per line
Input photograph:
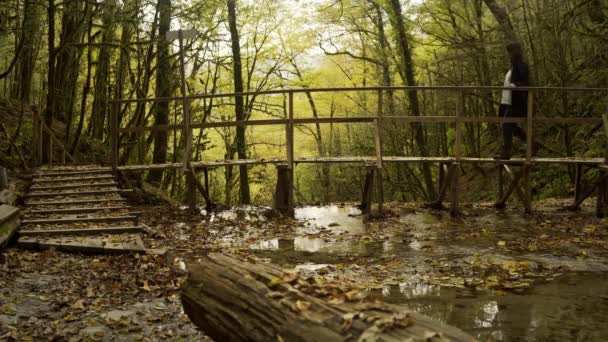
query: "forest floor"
498, 275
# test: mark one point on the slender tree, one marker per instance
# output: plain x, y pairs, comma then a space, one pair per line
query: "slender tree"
239, 107
163, 89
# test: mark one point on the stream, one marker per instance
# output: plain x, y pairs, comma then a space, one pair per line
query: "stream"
573, 305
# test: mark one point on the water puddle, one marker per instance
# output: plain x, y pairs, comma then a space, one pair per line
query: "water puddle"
314, 245
572, 308
333, 217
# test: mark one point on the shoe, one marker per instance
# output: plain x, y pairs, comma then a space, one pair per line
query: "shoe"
503, 154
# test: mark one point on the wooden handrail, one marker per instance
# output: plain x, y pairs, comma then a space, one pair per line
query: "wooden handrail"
364, 119
54, 139
351, 89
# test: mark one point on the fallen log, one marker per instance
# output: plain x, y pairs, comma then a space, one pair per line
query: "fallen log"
241, 299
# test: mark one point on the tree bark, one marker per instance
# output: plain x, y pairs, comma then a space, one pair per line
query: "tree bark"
49, 113
236, 299
502, 17
239, 104
407, 66
68, 58
29, 51
102, 72
163, 89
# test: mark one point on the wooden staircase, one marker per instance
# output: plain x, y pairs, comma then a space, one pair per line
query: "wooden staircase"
79, 208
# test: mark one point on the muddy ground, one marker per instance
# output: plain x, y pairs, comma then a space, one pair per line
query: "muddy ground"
498, 275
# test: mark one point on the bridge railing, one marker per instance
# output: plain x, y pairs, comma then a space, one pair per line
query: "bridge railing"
379, 120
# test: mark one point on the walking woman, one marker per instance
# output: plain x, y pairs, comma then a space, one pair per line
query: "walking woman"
514, 103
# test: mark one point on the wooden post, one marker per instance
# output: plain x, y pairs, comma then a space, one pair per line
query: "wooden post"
455, 186
190, 199
528, 165
207, 194
501, 183
379, 165
458, 127
282, 202
368, 190
527, 195
187, 133
290, 147
114, 113
578, 183
455, 198
602, 197
441, 177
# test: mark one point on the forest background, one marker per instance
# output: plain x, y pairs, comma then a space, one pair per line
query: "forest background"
66, 60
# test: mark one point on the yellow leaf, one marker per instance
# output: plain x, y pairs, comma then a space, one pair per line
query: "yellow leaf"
274, 282
302, 305
146, 287
590, 229
501, 243
8, 309
351, 294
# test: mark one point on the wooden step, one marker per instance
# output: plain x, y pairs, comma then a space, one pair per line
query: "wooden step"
85, 231
77, 202
107, 170
80, 219
74, 210
98, 245
74, 186
72, 179
77, 193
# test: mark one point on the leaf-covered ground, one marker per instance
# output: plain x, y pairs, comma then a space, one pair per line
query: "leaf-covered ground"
60, 296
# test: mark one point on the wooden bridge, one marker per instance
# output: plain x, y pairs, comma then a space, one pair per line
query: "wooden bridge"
509, 180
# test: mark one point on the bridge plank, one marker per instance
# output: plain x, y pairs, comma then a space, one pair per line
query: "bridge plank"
86, 231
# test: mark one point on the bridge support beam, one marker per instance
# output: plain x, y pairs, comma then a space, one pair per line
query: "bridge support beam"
602, 196
455, 190
380, 189
525, 194
368, 189
190, 198
283, 196
447, 173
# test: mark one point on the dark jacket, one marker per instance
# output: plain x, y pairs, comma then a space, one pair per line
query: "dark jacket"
519, 100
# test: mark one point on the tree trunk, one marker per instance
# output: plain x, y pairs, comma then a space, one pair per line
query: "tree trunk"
86, 89
238, 105
102, 72
502, 17
68, 58
29, 51
237, 299
49, 113
408, 71
163, 89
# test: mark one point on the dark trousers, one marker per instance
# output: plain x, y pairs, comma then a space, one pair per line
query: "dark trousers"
510, 129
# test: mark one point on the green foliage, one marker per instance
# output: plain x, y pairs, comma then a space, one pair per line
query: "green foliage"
327, 43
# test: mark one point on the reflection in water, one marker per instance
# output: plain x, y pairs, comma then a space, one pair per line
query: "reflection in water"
304, 244
574, 307
333, 217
